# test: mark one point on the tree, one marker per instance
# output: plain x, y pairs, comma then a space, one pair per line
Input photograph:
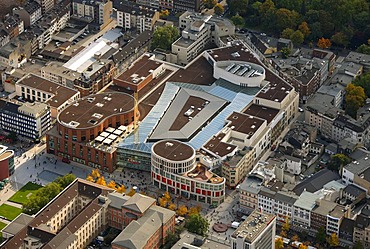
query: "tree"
303, 27
182, 210
355, 98
338, 161
237, 20
195, 210
323, 43
112, 184
121, 189
164, 36
295, 237
364, 49
167, 196
286, 225
131, 192
358, 245
287, 33
285, 19
90, 178
297, 38
283, 234
219, 9
279, 243
170, 240
333, 240
164, 14
321, 235
285, 51
64, 181
209, 4
172, 206
340, 39
195, 223
101, 181
95, 173
238, 7
364, 82
163, 202
302, 246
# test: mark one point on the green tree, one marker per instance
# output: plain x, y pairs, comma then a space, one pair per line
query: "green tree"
237, 20
238, 7
219, 9
297, 38
209, 4
340, 39
321, 235
195, 223
64, 181
170, 240
163, 37
285, 19
267, 13
364, 49
355, 98
285, 51
287, 33
337, 161
279, 243
364, 82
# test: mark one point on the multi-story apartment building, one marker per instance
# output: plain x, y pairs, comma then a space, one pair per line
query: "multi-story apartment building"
166, 4
98, 12
6, 162
197, 31
149, 3
257, 231
284, 205
71, 220
30, 13
87, 130
132, 16
303, 208
46, 5
176, 170
13, 25
356, 130
248, 193
35, 88
30, 120
188, 5
361, 231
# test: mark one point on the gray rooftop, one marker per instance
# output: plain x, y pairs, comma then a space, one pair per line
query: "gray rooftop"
307, 200
286, 197
316, 182
188, 239
353, 190
18, 224
139, 203
117, 199
323, 104
251, 184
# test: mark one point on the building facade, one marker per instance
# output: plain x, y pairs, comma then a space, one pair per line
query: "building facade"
175, 169
6, 162
99, 12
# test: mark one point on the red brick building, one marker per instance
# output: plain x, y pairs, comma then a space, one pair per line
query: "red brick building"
87, 130
140, 74
6, 162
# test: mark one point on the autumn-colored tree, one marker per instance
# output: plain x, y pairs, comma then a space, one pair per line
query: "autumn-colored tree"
164, 13
112, 184
195, 210
323, 43
90, 178
95, 173
279, 243
219, 9
295, 237
209, 4
131, 192
303, 27
283, 233
172, 206
182, 210
355, 98
302, 246
333, 240
167, 196
163, 202
286, 225
101, 181
121, 189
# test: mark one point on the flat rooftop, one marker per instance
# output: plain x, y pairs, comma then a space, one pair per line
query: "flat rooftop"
139, 71
260, 111
253, 226
244, 123
200, 172
218, 147
199, 72
6, 154
60, 94
183, 42
173, 150
94, 109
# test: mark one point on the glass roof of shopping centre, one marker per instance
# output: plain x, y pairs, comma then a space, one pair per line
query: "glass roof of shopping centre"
238, 98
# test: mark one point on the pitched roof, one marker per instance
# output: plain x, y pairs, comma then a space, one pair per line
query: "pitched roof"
316, 182
139, 203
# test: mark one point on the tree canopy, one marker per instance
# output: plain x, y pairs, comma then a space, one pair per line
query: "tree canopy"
164, 36
346, 22
355, 98
195, 223
364, 82
219, 9
337, 161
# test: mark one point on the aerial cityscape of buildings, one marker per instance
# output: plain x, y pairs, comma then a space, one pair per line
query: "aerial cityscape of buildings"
268, 140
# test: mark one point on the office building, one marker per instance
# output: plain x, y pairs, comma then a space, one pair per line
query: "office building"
257, 231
